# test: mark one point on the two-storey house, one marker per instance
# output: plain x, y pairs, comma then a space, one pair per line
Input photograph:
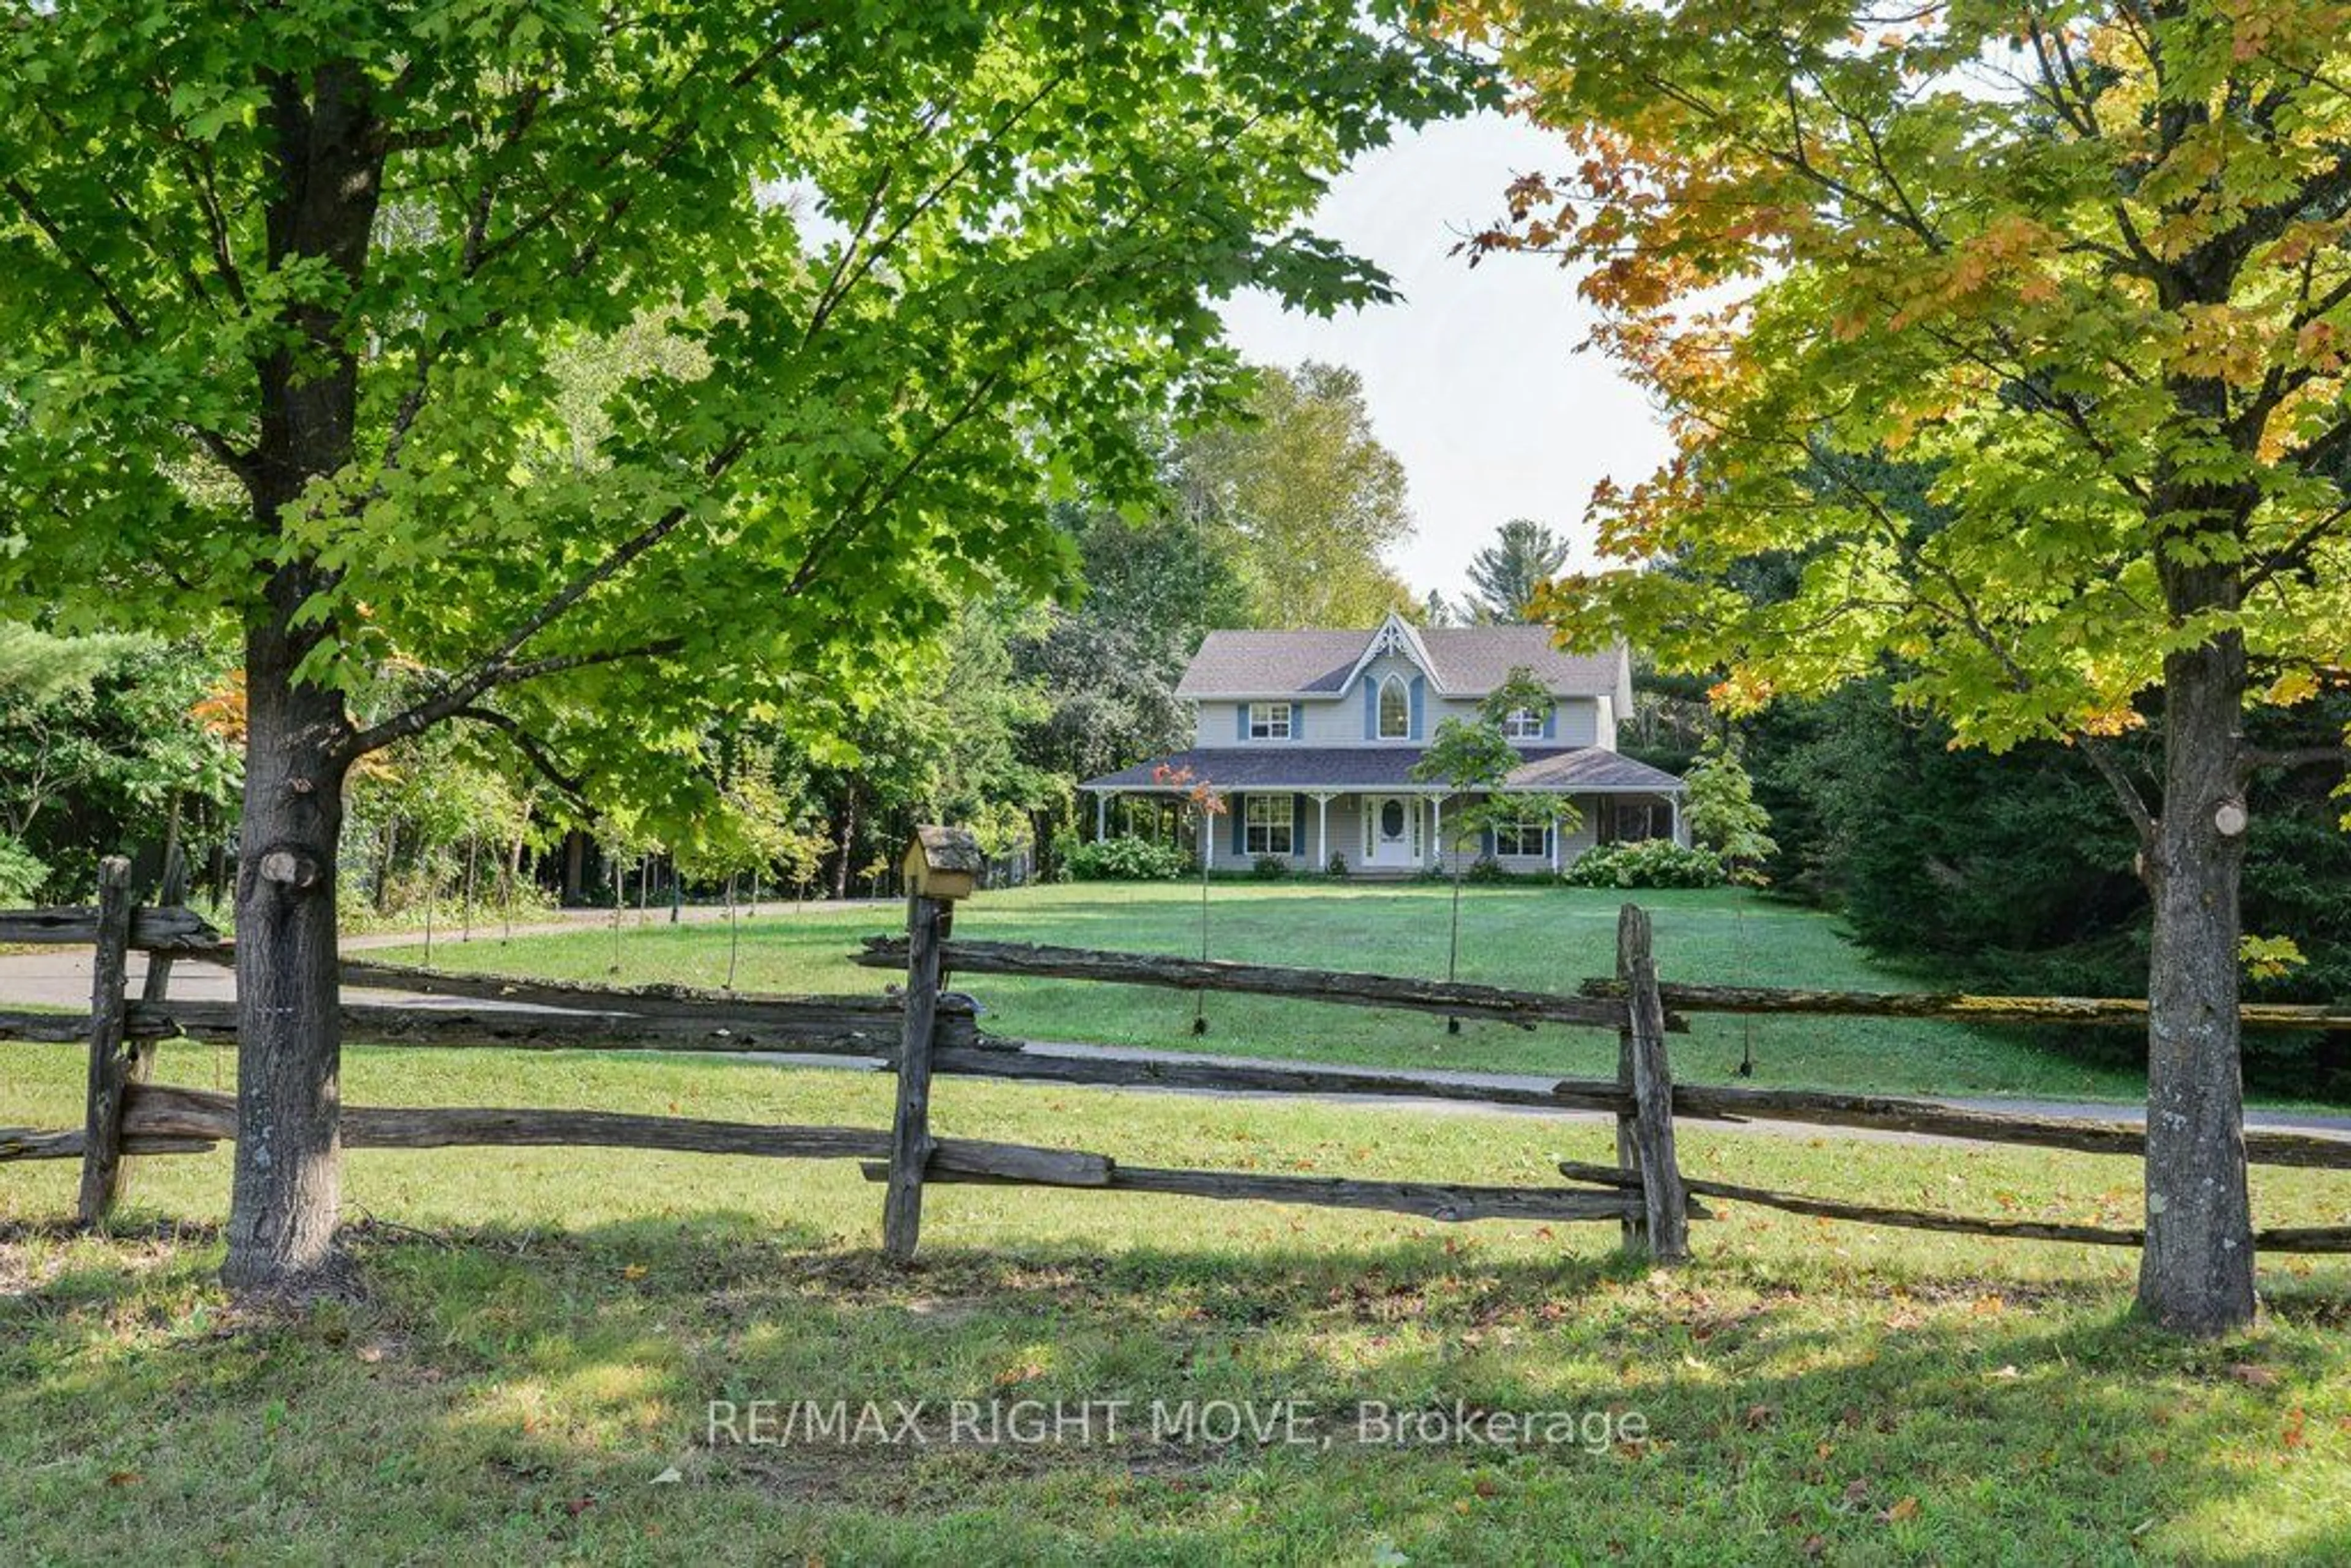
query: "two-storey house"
1310, 739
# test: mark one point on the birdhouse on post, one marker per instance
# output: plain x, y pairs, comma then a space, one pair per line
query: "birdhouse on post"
942, 865
945, 864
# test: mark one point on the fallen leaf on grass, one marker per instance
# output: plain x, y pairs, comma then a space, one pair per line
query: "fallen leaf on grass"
1907, 1509
668, 1478
2253, 1375
125, 1478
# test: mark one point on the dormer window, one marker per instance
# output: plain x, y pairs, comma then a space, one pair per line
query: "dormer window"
1523, 724
1271, 721
1396, 710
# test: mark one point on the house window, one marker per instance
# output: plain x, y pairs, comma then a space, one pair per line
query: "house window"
1395, 711
1268, 721
1523, 724
1267, 827
1521, 836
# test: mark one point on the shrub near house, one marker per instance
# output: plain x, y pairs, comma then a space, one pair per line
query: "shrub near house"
1652, 862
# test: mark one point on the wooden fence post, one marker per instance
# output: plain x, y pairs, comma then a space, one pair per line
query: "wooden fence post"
139, 1055
110, 1065
1645, 1139
941, 865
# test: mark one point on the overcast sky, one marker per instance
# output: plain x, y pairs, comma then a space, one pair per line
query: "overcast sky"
1473, 380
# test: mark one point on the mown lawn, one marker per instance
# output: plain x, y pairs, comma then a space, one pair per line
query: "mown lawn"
546, 1328
1529, 937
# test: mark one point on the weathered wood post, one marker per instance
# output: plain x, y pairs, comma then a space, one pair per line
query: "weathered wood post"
139, 1055
1644, 1137
942, 865
109, 1064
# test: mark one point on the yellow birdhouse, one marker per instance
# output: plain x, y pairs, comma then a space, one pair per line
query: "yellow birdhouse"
944, 864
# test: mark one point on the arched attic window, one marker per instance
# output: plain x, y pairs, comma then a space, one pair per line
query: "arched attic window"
1396, 710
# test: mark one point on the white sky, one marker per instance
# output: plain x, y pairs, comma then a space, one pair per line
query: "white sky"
1472, 379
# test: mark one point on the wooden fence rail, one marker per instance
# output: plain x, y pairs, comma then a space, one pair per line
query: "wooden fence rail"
153, 929
1956, 1007
929, 1030
1346, 989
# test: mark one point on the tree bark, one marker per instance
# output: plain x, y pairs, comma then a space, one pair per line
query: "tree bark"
326, 167
841, 872
287, 1184
2195, 1275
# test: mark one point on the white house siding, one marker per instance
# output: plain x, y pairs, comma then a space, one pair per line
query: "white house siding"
1313, 853
1581, 721
1572, 843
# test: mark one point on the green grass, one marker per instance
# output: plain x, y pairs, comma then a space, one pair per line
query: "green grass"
1528, 937
547, 1327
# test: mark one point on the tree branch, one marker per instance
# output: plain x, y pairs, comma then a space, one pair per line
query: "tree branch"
534, 751
2337, 756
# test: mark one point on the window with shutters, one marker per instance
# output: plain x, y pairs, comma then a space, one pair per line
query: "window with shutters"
1396, 710
1265, 828
1523, 724
1270, 721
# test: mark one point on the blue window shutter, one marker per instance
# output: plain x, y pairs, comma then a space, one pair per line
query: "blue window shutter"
1551, 722
1297, 721
1241, 825
1419, 689
1241, 712
1370, 710
1485, 840
1298, 824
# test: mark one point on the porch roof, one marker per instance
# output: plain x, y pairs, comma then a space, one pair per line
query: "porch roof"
1345, 768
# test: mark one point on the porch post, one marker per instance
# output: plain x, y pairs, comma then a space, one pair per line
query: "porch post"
1437, 830
1674, 820
1323, 831
1551, 832
1101, 815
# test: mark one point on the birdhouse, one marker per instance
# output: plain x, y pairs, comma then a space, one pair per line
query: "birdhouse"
944, 864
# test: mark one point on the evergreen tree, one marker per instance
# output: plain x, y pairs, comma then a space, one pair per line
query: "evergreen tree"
1505, 574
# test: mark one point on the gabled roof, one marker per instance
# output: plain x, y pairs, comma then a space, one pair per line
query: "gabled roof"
1461, 660
1346, 767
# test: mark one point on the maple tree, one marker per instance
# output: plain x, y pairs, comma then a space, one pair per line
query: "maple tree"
2082, 266
528, 365
1472, 759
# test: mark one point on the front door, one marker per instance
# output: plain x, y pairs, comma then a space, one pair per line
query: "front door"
1391, 831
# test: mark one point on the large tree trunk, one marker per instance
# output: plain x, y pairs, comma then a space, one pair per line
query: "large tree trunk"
327, 163
287, 1187
2195, 1275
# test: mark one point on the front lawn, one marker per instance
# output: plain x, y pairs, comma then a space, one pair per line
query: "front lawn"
530, 1380
1535, 937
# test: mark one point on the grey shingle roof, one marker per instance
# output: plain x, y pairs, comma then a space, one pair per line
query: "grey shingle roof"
1470, 662
1349, 767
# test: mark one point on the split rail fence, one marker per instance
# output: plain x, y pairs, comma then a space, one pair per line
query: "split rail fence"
926, 1029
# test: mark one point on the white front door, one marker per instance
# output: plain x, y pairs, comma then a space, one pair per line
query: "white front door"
1391, 831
